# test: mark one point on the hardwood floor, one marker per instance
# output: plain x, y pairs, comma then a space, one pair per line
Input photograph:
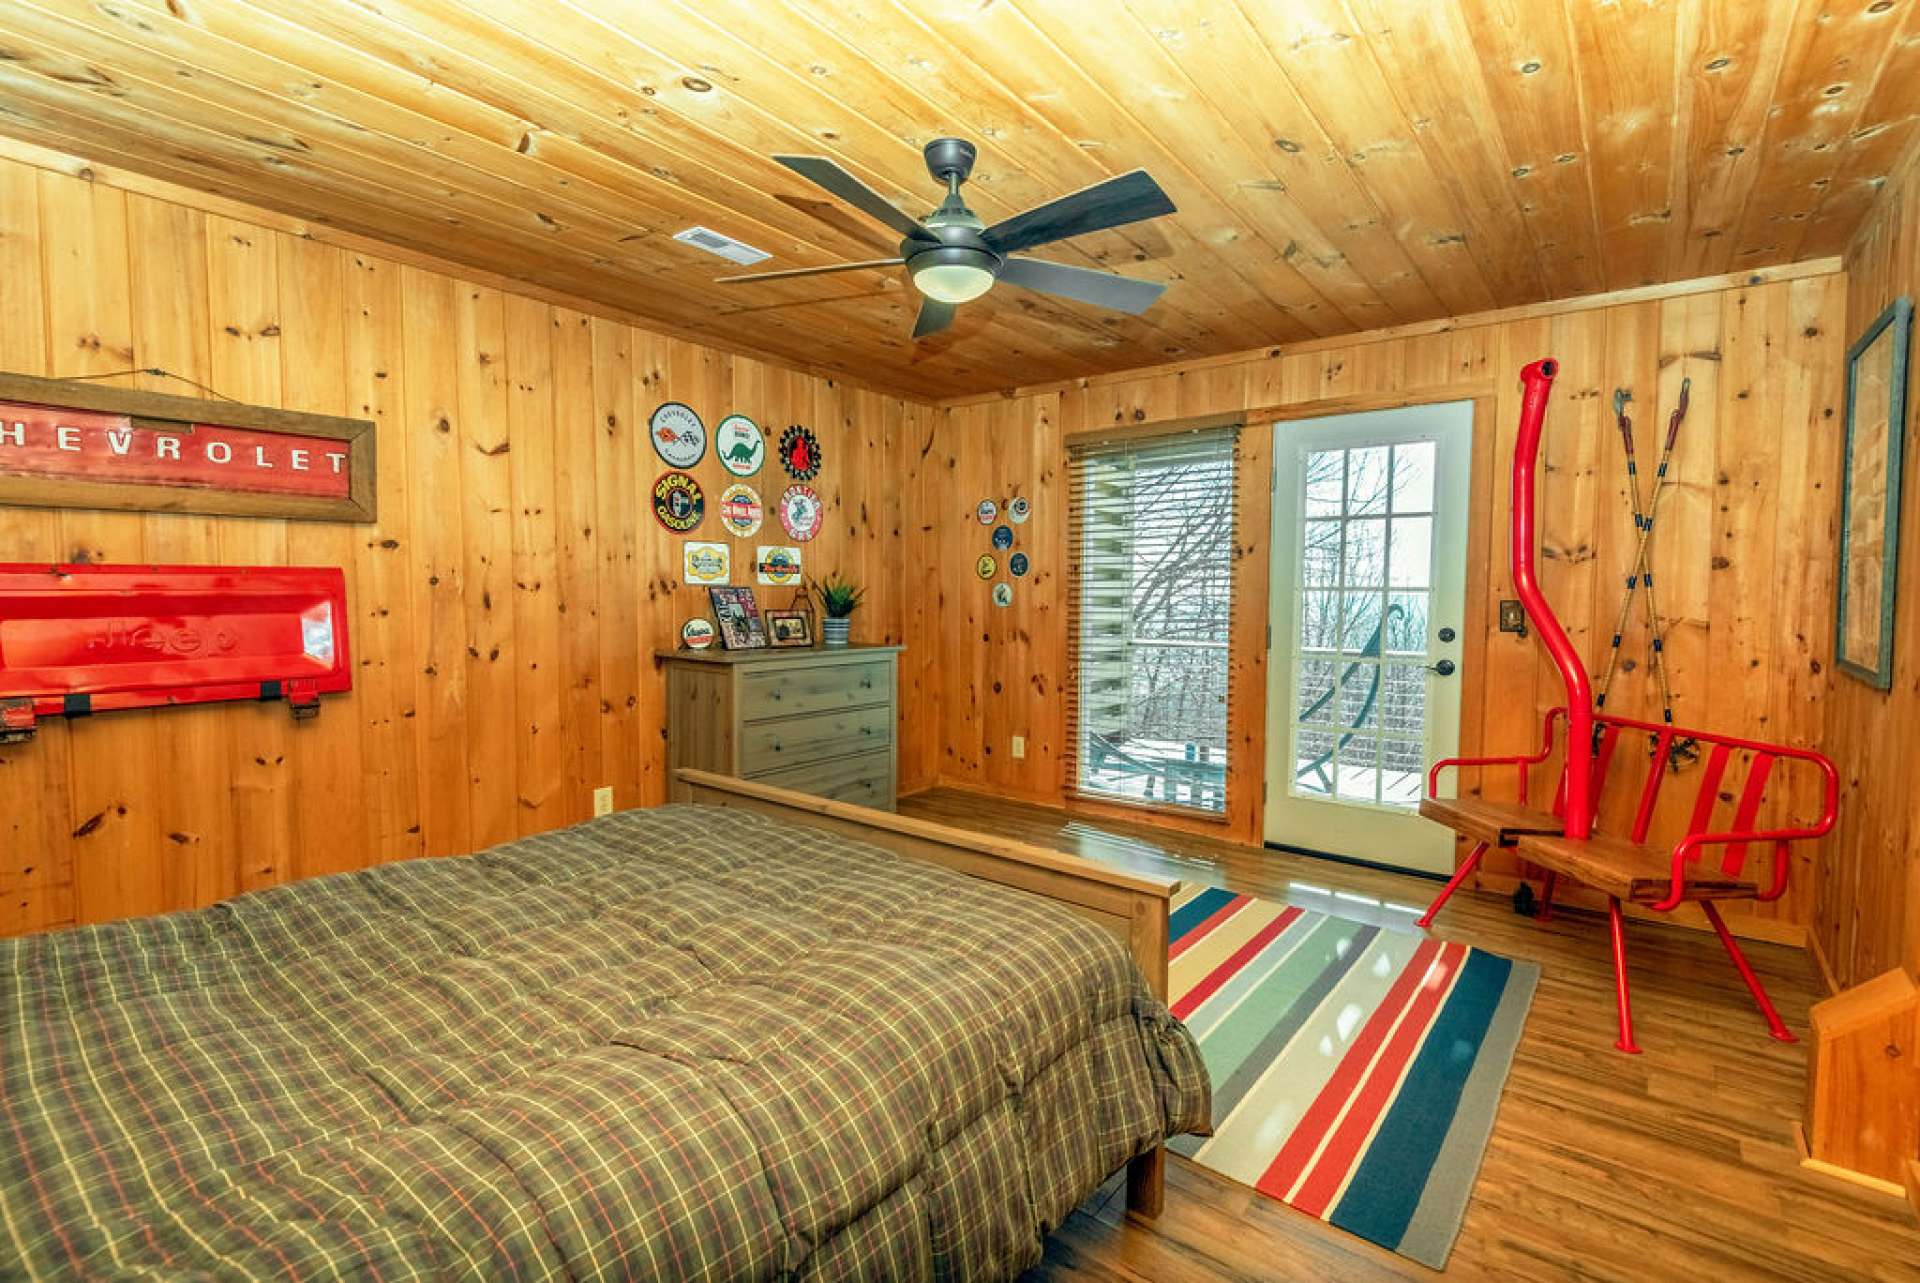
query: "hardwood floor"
1675, 1164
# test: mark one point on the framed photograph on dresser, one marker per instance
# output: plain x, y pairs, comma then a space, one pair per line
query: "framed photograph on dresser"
738, 617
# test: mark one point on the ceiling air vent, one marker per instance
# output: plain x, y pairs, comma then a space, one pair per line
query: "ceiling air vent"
725, 246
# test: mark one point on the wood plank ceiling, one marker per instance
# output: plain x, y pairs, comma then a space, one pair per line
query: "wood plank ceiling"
1339, 165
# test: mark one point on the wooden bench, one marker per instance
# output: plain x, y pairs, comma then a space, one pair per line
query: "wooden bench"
1629, 867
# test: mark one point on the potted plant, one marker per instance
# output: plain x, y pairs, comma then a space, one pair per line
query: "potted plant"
837, 600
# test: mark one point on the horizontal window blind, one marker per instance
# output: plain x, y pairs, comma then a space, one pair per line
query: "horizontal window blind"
1150, 612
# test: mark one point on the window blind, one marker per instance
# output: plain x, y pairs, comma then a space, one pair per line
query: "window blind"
1150, 612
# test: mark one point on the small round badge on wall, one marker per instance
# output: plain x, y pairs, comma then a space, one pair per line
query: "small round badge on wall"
1018, 510
679, 438
740, 510
1003, 536
739, 446
800, 453
1003, 594
1017, 564
801, 513
987, 511
678, 501
696, 634
987, 567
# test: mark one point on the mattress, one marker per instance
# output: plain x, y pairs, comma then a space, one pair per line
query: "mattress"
682, 1043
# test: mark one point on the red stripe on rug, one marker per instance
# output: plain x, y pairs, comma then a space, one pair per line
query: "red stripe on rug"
1192, 998
1320, 1116
1206, 925
1330, 1170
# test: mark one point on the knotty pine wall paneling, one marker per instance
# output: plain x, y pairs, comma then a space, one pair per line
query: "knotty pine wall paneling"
1742, 557
1868, 918
505, 608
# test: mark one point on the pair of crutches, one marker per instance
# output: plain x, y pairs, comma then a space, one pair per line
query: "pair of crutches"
1640, 572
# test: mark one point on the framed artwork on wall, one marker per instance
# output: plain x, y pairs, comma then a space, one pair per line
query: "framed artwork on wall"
1870, 496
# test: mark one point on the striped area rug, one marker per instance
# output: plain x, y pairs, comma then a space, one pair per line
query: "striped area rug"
1356, 1069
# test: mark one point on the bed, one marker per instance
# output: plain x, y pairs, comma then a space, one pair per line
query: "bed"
748, 1035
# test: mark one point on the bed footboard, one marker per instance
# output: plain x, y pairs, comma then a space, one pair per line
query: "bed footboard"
1131, 905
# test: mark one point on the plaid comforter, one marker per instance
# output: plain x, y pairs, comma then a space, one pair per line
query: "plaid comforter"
672, 1044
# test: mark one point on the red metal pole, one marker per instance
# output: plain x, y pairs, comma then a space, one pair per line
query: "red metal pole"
1621, 995
1465, 871
1537, 380
1775, 1026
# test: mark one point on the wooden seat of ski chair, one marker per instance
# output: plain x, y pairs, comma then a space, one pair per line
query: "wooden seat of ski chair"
1637, 872
1480, 820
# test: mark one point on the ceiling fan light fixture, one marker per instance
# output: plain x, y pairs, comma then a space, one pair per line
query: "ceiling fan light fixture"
953, 274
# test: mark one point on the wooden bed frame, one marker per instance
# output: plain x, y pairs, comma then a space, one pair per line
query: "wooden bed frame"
1131, 905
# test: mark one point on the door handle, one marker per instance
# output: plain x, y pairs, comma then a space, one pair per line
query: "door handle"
1445, 668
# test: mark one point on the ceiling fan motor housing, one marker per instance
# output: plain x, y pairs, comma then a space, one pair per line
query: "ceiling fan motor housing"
949, 159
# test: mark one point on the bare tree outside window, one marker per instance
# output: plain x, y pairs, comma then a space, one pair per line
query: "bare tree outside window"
1156, 538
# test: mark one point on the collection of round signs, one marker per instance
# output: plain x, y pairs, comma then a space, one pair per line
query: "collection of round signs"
988, 512
741, 448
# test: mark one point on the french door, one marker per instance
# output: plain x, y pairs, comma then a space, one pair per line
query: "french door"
1368, 595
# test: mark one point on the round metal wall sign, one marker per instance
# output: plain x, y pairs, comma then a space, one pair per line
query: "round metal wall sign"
801, 513
1003, 594
739, 445
740, 510
679, 438
1003, 536
678, 501
987, 567
1017, 564
800, 453
696, 634
987, 511
1018, 510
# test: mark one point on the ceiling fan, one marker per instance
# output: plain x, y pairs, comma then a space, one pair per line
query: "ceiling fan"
953, 256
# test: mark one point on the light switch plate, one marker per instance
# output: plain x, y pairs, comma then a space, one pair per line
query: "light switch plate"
1019, 748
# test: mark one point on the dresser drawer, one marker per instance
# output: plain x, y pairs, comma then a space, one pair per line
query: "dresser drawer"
866, 780
814, 689
795, 741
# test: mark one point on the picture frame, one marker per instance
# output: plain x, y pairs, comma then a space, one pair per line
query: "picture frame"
737, 616
790, 628
1870, 496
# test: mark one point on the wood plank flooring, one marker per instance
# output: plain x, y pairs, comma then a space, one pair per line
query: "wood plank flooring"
1675, 1164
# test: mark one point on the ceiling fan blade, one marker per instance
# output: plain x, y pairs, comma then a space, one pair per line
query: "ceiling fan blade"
1117, 201
1103, 289
789, 273
827, 174
934, 317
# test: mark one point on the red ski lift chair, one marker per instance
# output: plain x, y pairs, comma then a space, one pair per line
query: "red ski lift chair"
1627, 867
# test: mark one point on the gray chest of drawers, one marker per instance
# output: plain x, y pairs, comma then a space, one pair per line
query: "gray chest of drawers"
816, 721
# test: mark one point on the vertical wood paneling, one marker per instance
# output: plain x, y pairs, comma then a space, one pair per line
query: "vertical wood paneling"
1742, 533
504, 610
1867, 919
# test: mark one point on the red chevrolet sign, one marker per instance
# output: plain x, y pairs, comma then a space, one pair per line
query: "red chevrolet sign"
71, 445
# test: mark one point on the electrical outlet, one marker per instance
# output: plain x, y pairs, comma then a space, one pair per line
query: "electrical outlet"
603, 800
1513, 617
1019, 748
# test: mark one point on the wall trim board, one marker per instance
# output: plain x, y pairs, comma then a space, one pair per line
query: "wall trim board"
1440, 325
259, 215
